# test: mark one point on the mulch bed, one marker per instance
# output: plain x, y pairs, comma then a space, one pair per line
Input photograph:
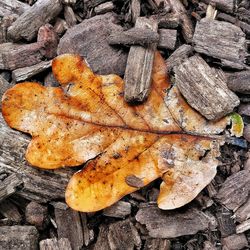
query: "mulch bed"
33, 214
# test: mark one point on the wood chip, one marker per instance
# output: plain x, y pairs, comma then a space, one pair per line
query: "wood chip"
120, 209
37, 215
104, 8
134, 36
244, 226
203, 90
239, 81
135, 9
246, 132
69, 226
225, 5
88, 235
9, 7
4, 85
54, 244
134, 181
167, 39
234, 242
168, 21
139, 66
14, 56
69, 16
178, 57
235, 190
171, 224
123, 235
27, 25
225, 222
228, 18
9, 186
90, 41
244, 109
4, 25
102, 239
27, 72
243, 213
9, 210
186, 24
18, 237
221, 40
157, 244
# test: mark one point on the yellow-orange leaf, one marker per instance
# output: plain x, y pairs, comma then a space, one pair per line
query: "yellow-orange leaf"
88, 121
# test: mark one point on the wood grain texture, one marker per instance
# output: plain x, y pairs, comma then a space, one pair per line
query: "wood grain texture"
9, 7
27, 72
203, 90
179, 56
134, 36
26, 26
55, 244
18, 237
90, 41
221, 40
139, 66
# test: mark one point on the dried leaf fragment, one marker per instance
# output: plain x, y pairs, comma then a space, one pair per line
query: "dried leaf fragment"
90, 122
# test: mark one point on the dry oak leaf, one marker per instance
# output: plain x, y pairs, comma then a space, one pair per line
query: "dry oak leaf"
89, 122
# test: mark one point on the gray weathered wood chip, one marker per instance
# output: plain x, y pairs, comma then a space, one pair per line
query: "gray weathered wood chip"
203, 90
139, 66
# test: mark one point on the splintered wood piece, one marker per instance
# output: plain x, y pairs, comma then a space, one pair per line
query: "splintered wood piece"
27, 25
157, 244
139, 66
243, 213
244, 226
69, 226
18, 237
4, 85
9, 210
171, 224
9, 7
13, 56
9, 186
179, 56
203, 90
88, 234
134, 36
4, 25
167, 39
239, 81
135, 10
50, 244
104, 8
90, 41
234, 242
168, 21
226, 5
27, 72
225, 222
186, 23
69, 16
235, 190
102, 239
38, 185
228, 18
119, 210
123, 235
221, 40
